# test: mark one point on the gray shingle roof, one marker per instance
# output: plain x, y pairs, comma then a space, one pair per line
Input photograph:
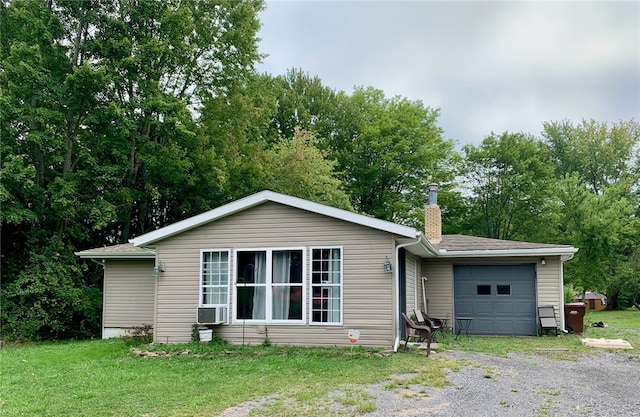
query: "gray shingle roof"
453, 243
125, 250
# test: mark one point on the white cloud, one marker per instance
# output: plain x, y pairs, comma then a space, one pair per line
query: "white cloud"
489, 66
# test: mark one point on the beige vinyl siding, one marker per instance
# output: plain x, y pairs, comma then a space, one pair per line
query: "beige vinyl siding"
550, 291
367, 290
128, 293
439, 287
412, 277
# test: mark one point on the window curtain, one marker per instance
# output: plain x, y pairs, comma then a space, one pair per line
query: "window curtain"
334, 291
281, 293
259, 278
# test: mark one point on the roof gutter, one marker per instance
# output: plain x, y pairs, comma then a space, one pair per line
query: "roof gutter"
426, 244
566, 253
116, 255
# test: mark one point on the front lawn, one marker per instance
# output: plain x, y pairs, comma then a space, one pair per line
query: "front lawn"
104, 378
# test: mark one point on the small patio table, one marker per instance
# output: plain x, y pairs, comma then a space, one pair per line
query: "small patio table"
462, 326
444, 329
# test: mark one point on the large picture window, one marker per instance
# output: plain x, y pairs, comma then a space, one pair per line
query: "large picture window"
269, 285
214, 278
326, 285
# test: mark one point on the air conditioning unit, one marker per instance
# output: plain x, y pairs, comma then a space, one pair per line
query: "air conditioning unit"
212, 315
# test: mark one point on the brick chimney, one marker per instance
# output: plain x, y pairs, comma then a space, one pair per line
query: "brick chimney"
433, 216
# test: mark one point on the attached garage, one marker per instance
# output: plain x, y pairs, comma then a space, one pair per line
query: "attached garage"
501, 299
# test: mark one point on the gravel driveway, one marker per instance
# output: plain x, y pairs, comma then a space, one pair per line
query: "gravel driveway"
523, 385
602, 384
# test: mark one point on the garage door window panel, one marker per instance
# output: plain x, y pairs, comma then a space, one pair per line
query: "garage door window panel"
483, 290
503, 289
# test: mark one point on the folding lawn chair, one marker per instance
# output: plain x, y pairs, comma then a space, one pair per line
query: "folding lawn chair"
547, 316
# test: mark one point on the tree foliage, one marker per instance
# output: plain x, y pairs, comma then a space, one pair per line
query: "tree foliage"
598, 173
396, 151
98, 138
51, 298
387, 150
602, 226
297, 167
601, 155
508, 177
625, 288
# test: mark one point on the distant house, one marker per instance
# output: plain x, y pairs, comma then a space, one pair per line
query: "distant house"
593, 300
303, 273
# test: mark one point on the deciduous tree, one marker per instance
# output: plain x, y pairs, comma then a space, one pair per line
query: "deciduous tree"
508, 178
598, 199
99, 141
297, 167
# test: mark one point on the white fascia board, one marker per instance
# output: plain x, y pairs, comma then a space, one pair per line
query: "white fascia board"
507, 252
149, 254
262, 197
195, 221
348, 216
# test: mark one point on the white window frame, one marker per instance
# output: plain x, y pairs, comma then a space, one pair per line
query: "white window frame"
269, 285
229, 278
311, 285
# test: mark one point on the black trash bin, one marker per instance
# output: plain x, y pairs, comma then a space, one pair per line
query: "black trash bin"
574, 317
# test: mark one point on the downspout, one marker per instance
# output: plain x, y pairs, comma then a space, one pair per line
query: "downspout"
415, 284
563, 259
396, 343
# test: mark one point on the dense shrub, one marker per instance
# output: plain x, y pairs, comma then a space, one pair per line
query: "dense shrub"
50, 299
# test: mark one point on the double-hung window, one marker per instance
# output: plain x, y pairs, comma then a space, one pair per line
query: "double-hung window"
270, 285
214, 278
326, 285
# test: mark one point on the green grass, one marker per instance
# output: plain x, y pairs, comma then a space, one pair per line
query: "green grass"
104, 378
623, 324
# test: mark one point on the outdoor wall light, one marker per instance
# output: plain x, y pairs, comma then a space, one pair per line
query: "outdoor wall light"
387, 264
543, 261
158, 269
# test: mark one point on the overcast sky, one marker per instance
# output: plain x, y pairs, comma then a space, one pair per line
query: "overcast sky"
488, 66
